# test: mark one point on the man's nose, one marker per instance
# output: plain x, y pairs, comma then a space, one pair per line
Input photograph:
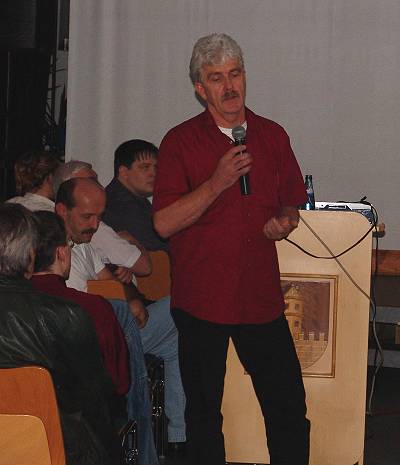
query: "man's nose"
94, 223
228, 83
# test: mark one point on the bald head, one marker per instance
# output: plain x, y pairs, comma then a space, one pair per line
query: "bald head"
87, 187
81, 202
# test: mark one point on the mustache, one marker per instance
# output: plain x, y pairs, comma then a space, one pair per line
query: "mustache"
89, 231
229, 94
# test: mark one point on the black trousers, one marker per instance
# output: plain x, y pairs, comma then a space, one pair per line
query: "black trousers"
267, 353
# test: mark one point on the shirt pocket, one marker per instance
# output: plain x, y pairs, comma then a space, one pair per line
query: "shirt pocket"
264, 180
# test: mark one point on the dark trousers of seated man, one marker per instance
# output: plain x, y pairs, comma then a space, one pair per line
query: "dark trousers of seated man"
267, 353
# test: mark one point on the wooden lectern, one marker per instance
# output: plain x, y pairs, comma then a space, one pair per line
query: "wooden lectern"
328, 316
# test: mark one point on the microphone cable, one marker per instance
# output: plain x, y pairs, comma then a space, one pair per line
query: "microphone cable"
379, 356
332, 256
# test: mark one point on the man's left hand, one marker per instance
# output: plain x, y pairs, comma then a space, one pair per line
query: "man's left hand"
279, 227
123, 274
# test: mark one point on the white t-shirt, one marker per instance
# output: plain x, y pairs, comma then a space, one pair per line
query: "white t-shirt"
112, 248
85, 264
105, 247
228, 131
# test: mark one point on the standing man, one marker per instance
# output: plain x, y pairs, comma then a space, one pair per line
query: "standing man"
225, 272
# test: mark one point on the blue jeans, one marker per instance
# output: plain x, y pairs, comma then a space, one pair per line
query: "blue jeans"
160, 337
138, 398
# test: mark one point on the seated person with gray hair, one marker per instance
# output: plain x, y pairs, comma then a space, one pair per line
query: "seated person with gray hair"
38, 329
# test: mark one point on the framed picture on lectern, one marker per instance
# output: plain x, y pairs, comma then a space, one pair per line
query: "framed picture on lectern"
310, 309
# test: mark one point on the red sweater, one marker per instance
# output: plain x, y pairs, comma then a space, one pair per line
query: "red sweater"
109, 333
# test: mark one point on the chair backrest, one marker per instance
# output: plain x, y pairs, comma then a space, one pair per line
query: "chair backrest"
158, 284
23, 441
109, 289
153, 287
30, 391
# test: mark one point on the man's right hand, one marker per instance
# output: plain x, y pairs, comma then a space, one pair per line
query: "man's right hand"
233, 164
186, 210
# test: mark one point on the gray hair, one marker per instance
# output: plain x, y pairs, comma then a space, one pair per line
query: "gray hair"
66, 171
18, 238
213, 49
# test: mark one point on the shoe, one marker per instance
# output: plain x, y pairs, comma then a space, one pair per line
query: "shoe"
176, 450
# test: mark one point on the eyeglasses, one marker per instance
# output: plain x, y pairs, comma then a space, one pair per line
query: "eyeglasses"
70, 243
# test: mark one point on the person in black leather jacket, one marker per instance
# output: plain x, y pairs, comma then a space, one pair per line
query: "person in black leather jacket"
38, 329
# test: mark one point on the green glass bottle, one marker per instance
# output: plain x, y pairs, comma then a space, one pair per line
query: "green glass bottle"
308, 182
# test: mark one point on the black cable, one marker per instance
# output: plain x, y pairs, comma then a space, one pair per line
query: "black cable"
378, 350
332, 257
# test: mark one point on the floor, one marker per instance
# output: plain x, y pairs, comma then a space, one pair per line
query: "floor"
382, 433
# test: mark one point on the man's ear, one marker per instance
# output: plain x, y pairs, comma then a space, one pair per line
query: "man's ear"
61, 210
198, 87
122, 170
61, 253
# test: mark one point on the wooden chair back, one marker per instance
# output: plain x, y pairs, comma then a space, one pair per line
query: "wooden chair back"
23, 441
158, 284
153, 287
30, 391
109, 289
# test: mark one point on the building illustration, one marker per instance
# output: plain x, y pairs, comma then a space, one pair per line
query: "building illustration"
310, 341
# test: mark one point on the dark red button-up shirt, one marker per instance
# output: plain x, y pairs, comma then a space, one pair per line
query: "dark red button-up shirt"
109, 333
224, 269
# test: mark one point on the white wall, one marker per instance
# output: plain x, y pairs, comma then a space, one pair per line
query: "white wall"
327, 70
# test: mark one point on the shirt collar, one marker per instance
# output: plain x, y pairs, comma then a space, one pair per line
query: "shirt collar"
51, 278
210, 123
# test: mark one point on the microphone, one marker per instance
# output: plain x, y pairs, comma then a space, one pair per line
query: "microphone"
239, 136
